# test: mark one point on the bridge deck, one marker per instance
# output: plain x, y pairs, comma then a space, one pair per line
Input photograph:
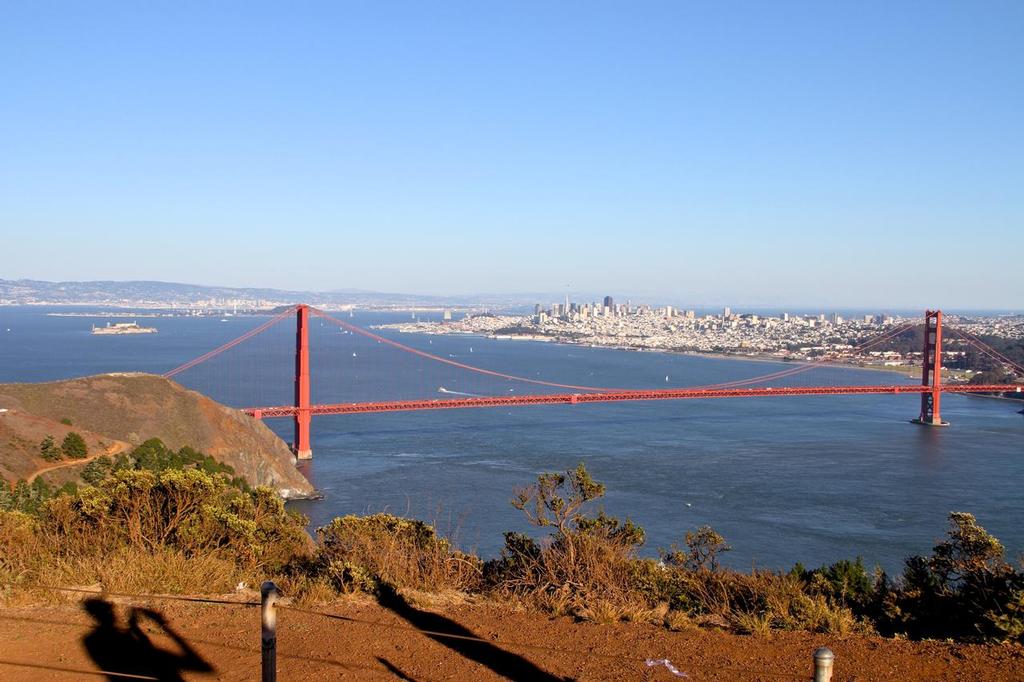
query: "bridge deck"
620, 396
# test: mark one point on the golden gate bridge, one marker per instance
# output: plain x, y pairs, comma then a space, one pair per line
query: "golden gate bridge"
302, 409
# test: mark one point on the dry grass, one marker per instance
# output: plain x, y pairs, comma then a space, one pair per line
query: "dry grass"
360, 552
677, 621
136, 571
752, 623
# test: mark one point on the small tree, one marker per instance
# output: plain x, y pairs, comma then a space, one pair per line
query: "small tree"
97, 470
587, 559
74, 446
702, 549
557, 499
49, 450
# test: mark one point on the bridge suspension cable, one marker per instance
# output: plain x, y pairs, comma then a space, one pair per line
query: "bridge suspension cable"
231, 344
987, 349
430, 356
805, 367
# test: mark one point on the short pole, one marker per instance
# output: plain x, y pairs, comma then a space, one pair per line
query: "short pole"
823, 660
268, 598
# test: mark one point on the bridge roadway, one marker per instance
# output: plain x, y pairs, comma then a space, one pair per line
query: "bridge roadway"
619, 396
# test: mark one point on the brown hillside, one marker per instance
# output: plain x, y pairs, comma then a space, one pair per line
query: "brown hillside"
135, 407
20, 436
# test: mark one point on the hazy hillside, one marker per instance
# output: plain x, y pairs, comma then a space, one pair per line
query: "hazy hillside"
20, 436
135, 407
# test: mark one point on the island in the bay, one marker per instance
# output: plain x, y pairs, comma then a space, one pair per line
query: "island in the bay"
118, 328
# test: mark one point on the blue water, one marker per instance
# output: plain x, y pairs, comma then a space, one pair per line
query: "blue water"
809, 479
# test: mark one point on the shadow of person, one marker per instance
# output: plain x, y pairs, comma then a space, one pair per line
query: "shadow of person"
120, 651
502, 662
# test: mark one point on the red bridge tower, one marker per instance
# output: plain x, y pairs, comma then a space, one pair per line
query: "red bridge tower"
931, 370
301, 445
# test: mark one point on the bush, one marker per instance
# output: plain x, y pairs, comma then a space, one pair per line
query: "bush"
585, 566
74, 446
49, 451
97, 470
964, 590
702, 549
153, 455
170, 527
361, 552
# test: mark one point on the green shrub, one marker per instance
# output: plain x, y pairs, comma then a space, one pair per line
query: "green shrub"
702, 549
74, 446
97, 470
964, 590
49, 451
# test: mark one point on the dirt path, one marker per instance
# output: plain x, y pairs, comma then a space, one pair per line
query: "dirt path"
112, 451
365, 641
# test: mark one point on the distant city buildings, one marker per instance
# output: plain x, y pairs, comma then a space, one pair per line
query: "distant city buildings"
784, 336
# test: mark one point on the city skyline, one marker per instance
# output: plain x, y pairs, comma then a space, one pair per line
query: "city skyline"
753, 155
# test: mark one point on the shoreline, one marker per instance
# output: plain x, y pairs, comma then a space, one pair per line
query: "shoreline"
908, 372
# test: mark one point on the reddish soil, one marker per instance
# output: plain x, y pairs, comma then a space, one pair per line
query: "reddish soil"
111, 451
20, 436
368, 641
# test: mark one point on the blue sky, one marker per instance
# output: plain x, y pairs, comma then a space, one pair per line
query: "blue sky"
844, 154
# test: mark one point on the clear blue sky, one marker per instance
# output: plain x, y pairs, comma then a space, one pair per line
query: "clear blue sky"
818, 153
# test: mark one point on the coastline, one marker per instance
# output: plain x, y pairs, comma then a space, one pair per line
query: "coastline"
908, 372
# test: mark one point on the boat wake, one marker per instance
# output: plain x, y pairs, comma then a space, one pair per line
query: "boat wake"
442, 389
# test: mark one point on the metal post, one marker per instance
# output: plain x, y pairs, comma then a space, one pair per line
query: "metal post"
268, 598
823, 660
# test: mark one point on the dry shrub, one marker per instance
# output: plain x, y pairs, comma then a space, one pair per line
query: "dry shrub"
138, 571
555, 602
601, 611
586, 566
140, 531
20, 552
752, 623
758, 602
190, 511
678, 621
306, 589
358, 553
587, 573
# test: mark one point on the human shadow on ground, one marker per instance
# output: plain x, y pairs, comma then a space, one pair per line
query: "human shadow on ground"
126, 650
395, 670
502, 662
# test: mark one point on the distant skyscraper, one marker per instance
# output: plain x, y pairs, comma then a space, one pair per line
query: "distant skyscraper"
609, 302
726, 312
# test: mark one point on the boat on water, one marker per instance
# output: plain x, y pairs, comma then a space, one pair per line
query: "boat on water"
121, 328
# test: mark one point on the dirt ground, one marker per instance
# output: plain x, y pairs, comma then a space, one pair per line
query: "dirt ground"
173, 640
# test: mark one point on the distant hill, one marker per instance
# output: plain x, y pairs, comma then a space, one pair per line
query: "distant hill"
164, 294
170, 294
130, 408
